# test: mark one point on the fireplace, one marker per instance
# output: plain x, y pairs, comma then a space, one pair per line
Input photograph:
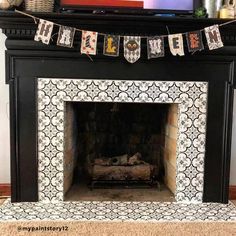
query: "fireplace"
115, 151
54, 93
127, 148
115, 134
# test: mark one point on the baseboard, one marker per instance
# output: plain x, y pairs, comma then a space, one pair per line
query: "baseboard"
232, 192
5, 190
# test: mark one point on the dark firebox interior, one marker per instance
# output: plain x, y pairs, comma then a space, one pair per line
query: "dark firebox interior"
110, 132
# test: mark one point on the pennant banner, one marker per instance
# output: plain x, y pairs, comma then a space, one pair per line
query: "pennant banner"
213, 37
89, 42
44, 31
111, 45
132, 44
132, 48
176, 44
155, 47
66, 36
194, 40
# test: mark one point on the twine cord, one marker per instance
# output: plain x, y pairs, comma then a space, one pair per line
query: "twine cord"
91, 59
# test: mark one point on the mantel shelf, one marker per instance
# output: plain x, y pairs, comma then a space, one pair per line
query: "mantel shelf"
10, 19
66, 16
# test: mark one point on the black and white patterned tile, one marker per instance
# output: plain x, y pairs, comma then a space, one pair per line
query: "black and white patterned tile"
190, 96
118, 211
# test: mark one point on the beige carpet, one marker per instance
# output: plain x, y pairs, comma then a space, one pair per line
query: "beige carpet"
122, 229
78, 228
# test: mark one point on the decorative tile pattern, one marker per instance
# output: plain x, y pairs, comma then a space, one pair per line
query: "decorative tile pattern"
192, 100
118, 211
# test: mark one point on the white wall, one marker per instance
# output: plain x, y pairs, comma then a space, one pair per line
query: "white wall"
4, 119
233, 153
4, 125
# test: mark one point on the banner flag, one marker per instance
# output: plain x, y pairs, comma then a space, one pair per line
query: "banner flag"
155, 47
66, 36
131, 44
44, 31
194, 40
176, 44
132, 48
89, 42
111, 45
213, 37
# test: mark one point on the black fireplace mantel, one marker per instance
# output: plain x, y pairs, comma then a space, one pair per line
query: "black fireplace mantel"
20, 30
27, 60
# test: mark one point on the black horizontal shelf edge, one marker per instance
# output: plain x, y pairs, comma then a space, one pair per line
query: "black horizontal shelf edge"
11, 16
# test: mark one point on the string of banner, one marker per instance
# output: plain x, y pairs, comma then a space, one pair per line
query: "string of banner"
131, 44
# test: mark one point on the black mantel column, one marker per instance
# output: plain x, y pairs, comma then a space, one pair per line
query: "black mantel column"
27, 60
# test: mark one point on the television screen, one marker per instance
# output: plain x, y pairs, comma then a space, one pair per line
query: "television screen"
177, 5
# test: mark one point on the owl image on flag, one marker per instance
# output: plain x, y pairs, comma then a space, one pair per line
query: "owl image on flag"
132, 48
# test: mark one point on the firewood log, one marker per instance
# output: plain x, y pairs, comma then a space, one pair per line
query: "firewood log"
136, 172
135, 159
112, 161
102, 161
119, 160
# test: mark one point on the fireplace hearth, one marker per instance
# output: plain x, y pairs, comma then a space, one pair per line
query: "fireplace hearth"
46, 81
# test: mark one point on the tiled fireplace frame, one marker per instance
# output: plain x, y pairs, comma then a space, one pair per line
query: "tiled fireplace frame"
190, 96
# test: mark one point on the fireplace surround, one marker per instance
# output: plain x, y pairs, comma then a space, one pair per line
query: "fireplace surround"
192, 100
32, 66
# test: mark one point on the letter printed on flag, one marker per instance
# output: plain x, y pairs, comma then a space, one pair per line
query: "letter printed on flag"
89, 42
176, 44
66, 36
155, 47
111, 45
44, 31
194, 40
213, 37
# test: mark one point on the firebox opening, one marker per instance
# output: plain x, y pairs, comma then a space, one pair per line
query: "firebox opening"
120, 151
